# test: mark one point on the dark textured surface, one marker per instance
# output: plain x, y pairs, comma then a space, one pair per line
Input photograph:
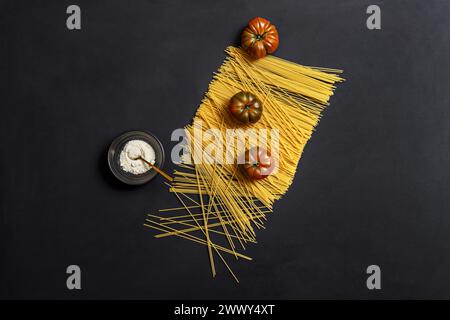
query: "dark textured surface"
372, 187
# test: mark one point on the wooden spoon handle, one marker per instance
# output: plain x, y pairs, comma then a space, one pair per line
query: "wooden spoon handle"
165, 175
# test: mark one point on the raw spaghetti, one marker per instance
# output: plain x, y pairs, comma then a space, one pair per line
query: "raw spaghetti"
220, 207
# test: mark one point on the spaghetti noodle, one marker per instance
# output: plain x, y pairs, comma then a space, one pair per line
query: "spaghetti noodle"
220, 206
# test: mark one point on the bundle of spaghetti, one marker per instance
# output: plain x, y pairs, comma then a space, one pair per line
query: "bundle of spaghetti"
229, 204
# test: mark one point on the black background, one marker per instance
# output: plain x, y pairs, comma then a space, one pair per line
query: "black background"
372, 186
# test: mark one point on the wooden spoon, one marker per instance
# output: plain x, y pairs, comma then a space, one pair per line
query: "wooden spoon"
165, 175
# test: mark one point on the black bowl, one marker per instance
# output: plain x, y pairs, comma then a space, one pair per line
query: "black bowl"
114, 157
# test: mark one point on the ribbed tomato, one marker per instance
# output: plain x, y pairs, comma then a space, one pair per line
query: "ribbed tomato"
258, 163
259, 38
245, 107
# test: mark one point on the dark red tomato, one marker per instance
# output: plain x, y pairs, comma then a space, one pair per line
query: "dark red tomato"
258, 163
259, 38
245, 107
